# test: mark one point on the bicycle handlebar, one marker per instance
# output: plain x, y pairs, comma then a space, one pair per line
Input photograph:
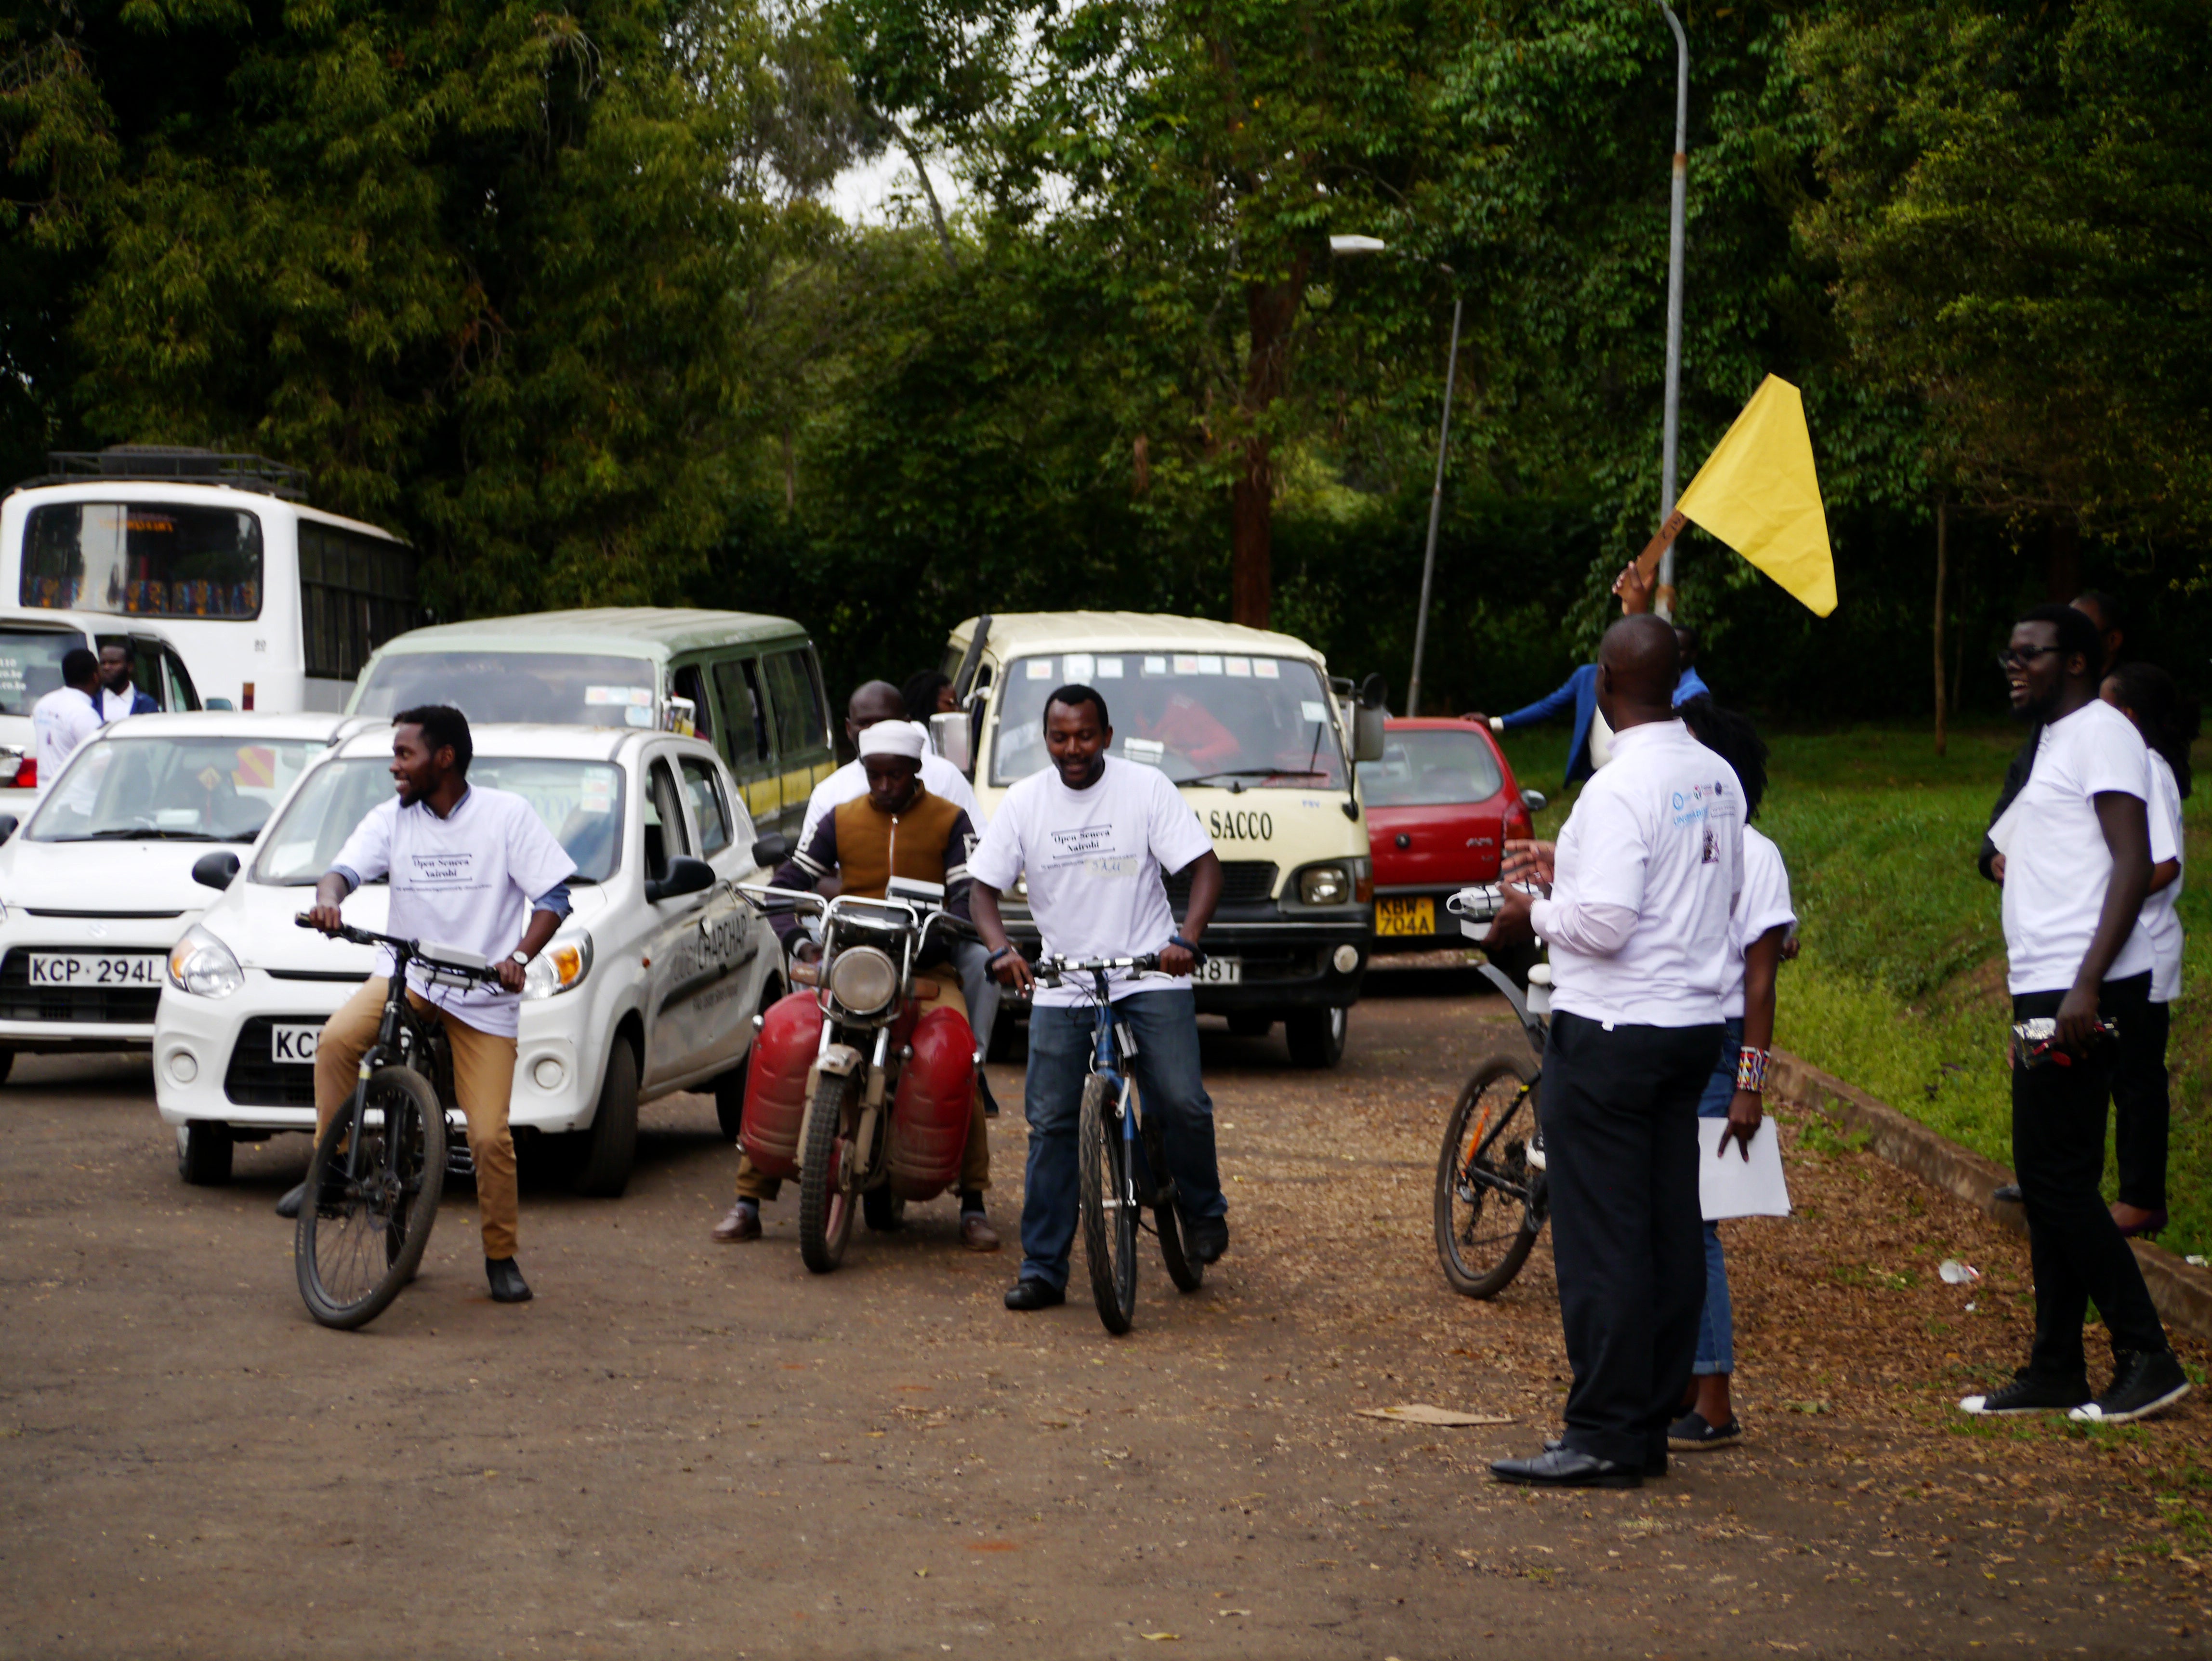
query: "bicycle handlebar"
1053, 969
408, 951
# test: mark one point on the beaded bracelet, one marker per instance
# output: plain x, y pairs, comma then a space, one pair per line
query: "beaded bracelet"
1751, 1070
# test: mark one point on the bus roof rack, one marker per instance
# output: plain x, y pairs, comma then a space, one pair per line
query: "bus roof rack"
183, 464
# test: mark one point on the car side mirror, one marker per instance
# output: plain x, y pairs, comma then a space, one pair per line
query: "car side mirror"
950, 733
215, 870
218, 704
686, 875
1535, 801
1368, 716
772, 850
8, 824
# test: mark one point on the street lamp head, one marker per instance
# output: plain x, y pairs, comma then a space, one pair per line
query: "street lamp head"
1343, 246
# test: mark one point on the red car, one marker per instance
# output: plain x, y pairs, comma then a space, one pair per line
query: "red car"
1440, 805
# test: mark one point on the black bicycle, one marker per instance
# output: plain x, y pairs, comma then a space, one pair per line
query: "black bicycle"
1491, 1199
1121, 1160
379, 1168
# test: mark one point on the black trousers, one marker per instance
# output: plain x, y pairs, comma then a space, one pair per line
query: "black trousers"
2141, 1104
2074, 1246
1621, 1135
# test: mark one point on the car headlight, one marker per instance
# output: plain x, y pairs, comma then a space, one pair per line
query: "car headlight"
1325, 884
561, 967
203, 965
863, 979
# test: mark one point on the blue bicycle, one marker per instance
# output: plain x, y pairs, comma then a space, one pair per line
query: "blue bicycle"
1118, 1149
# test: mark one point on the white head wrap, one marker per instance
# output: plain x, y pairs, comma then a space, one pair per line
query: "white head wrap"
893, 738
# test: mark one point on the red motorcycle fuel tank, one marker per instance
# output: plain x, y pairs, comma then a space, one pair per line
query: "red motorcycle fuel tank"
775, 1083
930, 1113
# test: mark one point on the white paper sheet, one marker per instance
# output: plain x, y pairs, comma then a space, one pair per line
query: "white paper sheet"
1729, 1187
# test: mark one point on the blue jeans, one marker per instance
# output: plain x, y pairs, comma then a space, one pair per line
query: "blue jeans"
1165, 1025
1717, 1330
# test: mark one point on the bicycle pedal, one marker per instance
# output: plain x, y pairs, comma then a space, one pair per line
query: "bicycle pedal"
460, 1162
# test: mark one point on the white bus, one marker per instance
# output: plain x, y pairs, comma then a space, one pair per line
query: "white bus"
272, 605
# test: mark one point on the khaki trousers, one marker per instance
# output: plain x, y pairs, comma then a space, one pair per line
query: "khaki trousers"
483, 1078
975, 1160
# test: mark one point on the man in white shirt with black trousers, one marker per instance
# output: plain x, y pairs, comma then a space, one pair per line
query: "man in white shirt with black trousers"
2076, 847
1645, 879
1095, 834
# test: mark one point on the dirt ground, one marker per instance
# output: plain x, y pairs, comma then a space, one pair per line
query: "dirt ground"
685, 1449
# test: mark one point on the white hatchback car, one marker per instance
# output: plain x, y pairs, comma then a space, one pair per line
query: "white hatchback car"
649, 987
98, 886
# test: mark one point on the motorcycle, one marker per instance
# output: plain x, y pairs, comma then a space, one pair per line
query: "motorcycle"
860, 1083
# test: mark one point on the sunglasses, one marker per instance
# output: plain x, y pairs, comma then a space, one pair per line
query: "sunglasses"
2020, 657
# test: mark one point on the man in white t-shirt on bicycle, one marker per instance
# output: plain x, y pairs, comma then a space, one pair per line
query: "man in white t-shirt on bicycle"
1095, 835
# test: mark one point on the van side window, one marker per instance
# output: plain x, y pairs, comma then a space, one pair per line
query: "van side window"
708, 807
744, 730
690, 682
177, 691
800, 719
665, 836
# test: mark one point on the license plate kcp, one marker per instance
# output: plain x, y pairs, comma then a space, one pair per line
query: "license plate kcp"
1219, 972
1408, 915
294, 1044
85, 969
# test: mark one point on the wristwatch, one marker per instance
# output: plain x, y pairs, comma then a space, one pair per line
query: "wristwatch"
520, 957
1498, 723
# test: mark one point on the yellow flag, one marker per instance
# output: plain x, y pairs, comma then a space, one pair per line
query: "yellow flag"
1758, 493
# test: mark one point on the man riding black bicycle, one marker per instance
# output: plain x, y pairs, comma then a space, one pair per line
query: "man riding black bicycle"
1094, 834
474, 870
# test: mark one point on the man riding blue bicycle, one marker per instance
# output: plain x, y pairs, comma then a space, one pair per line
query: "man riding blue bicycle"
1094, 835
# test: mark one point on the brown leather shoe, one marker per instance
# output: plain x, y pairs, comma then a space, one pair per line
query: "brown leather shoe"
976, 1233
742, 1224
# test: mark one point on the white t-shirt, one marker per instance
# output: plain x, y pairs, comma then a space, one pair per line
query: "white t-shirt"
2057, 865
2161, 921
465, 881
1656, 842
849, 782
1095, 859
60, 721
1764, 904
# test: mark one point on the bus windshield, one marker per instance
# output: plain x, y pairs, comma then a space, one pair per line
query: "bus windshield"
518, 686
143, 559
1200, 717
193, 788
580, 802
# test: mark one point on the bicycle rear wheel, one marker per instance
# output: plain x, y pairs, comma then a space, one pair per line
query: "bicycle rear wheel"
1185, 1270
1489, 1203
360, 1239
1109, 1220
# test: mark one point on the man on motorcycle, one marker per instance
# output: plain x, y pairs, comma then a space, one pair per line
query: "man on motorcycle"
898, 829
1094, 835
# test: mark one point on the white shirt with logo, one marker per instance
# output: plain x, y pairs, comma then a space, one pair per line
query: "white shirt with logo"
850, 782
2161, 921
1762, 904
2058, 867
60, 721
464, 881
1095, 859
1655, 846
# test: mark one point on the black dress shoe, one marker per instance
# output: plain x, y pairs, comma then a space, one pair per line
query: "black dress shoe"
1654, 1466
288, 1207
507, 1285
1209, 1238
1029, 1293
2010, 1191
1561, 1468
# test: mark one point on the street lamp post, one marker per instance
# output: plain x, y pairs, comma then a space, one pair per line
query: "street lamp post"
1663, 601
1345, 247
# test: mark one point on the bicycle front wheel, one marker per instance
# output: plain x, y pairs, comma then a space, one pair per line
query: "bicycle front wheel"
360, 1234
1489, 1203
1109, 1216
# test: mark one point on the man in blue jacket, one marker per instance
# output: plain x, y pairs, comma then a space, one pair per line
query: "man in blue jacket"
118, 696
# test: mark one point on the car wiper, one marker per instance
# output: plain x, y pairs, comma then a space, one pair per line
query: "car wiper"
1255, 773
146, 833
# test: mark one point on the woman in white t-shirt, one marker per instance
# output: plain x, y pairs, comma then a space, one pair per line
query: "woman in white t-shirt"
1764, 925
2142, 1104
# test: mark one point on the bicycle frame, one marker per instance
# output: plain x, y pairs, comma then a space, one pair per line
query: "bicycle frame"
1112, 1046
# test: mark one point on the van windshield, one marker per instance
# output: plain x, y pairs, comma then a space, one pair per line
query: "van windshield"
559, 687
31, 664
580, 802
1199, 717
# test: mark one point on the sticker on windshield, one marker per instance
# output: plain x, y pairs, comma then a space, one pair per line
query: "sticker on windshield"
1155, 665
1310, 710
636, 715
1080, 664
1208, 664
1040, 668
1267, 668
1237, 668
1147, 750
598, 795
635, 697
1109, 669
1185, 664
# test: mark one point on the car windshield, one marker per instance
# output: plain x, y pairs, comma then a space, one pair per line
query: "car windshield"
1429, 768
31, 664
196, 787
1199, 717
558, 687
580, 802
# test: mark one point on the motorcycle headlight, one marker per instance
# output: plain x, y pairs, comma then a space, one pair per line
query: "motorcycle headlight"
863, 979
561, 967
203, 965
1325, 884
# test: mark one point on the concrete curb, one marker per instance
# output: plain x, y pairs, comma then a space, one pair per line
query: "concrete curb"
2183, 1293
